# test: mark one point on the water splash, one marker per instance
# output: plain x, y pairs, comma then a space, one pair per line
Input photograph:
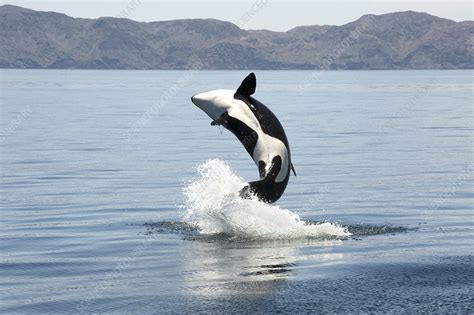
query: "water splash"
212, 204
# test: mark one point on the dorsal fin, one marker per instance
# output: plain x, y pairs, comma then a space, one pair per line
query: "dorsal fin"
248, 86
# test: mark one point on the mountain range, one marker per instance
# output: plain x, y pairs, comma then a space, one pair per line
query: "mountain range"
400, 40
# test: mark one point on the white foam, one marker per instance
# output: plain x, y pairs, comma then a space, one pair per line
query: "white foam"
213, 205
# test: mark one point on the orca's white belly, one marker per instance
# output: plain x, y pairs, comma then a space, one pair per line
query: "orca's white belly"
266, 149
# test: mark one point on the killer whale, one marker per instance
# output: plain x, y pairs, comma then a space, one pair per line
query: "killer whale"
259, 131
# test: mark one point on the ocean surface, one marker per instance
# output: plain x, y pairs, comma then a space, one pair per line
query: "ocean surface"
115, 195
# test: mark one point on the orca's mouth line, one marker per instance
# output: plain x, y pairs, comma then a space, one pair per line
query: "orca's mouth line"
221, 121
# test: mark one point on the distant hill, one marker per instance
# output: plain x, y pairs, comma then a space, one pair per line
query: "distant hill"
401, 40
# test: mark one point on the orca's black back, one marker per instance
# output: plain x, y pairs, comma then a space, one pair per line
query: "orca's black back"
268, 121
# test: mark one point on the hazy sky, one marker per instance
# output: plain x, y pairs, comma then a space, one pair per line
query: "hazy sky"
275, 15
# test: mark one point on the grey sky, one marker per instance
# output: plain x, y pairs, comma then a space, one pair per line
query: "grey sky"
274, 15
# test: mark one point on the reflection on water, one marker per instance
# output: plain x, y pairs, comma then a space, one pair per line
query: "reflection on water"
221, 257
222, 270
224, 267
281, 268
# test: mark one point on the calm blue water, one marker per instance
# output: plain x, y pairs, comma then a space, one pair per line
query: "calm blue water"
94, 163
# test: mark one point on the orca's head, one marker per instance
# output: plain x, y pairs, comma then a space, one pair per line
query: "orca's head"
214, 103
217, 102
